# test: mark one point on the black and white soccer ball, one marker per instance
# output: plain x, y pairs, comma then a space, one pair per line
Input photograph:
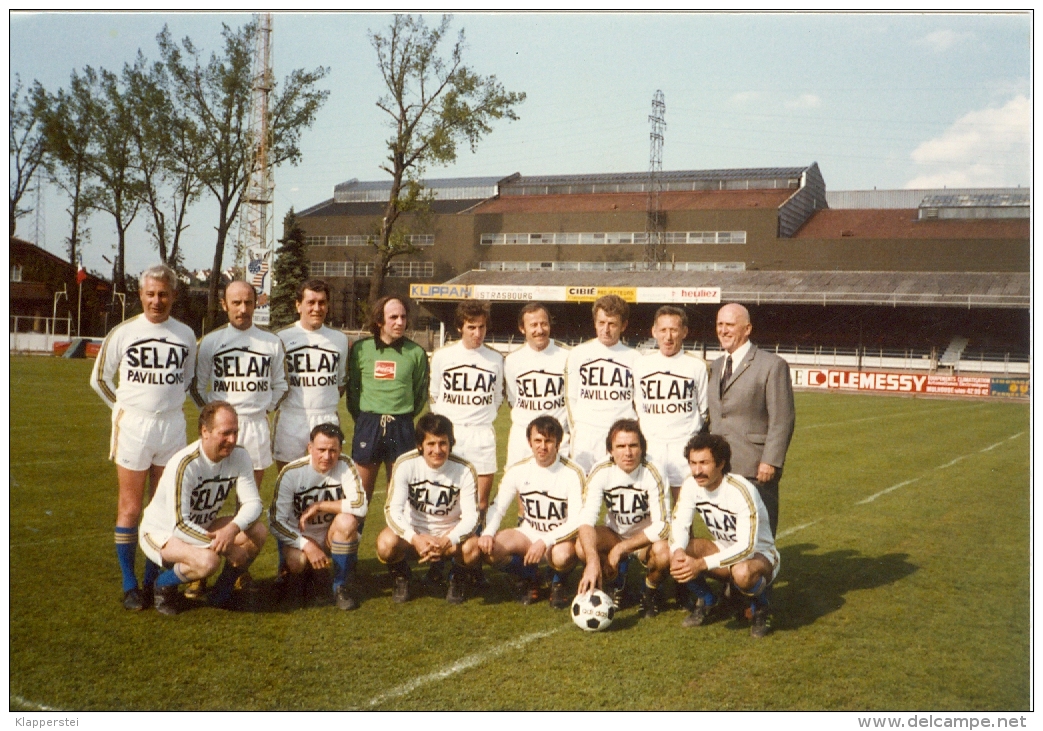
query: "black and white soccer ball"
593, 611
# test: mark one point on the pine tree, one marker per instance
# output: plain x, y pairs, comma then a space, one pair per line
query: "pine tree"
290, 270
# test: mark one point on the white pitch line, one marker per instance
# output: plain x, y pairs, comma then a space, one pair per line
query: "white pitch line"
459, 666
950, 464
875, 495
35, 706
794, 529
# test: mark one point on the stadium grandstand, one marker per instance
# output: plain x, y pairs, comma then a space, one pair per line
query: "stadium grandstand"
914, 278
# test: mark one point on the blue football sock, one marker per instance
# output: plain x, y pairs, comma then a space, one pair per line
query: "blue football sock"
700, 590
344, 556
170, 577
560, 577
621, 578
151, 572
126, 547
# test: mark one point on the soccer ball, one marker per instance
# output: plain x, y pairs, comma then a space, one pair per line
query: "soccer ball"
593, 611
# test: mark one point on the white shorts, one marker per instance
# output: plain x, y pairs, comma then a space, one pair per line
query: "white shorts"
670, 458
533, 535
477, 444
256, 437
140, 440
518, 444
292, 431
588, 445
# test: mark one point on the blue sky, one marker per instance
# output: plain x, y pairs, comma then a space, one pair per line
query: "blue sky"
878, 100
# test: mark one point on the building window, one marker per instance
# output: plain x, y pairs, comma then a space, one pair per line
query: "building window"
417, 269
614, 237
354, 240
611, 266
16, 273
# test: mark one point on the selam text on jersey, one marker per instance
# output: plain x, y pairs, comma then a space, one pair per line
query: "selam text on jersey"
466, 384
192, 492
639, 501
435, 502
599, 383
246, 368
670, 398
154, 362
734, 515
535, 381
299, 485
316, 367
551, 498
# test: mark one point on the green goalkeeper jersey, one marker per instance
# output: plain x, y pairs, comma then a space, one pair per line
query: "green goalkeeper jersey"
391, 379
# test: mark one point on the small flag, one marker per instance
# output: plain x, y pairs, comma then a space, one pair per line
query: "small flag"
81, 273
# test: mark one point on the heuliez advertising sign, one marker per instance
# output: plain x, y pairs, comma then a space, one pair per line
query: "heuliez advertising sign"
886, 382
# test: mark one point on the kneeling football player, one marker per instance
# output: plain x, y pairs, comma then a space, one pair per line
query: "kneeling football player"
180, 530
549, 488
431, 511
636, 520
742, 551
317, 513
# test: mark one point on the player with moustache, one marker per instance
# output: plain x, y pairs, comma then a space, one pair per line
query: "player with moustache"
534, 376
637, 516
431, 510
316, 372
142, 373
670, 397
316, 516
742, 552
599, 382
387, 389
182, 529
549, 488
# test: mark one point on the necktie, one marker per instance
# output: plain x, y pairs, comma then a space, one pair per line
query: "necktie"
727, 373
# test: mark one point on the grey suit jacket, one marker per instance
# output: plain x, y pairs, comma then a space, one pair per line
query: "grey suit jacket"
755, 413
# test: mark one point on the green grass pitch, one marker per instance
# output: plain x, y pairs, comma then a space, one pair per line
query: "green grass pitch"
915, 599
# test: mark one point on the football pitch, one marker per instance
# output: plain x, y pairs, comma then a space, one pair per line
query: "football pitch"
905, 544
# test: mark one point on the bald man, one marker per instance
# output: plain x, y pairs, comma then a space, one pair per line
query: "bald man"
751, 405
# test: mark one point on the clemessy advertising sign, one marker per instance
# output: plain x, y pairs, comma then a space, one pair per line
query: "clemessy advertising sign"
912, 383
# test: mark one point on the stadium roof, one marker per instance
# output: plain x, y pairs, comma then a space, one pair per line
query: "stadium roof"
976, 200
622, 202
907, 198
330, 207
970, 290
892, 223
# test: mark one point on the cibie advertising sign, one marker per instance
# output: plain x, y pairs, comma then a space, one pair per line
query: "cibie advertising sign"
589, 294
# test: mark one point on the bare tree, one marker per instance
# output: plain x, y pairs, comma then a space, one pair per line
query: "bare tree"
435, 102
26, 147
216, 96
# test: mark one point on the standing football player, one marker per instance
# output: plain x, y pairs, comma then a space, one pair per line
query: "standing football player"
549, 488
387, 389
636, 520
534, 375
153, 355
318, 506
599, 382
431, 510
671, 396
316, 370
742, 551
245, 366
181, 530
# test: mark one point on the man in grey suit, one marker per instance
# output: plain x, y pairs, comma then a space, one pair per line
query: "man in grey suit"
751, 405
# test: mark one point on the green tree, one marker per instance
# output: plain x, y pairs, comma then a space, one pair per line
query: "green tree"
289, 271
27, 151
435, 102
216, 95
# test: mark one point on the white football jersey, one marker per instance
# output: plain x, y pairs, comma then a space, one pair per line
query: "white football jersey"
299, 485
442, 502
670, 397
246, 368
192, 492
599, 383
154, 362
735, 516
466, 384
638, 501
535, 381
551, 498
316, 367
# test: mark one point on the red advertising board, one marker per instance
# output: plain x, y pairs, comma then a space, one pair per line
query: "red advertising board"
882, 381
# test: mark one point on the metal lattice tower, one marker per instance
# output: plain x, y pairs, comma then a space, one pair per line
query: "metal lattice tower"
654, 252
256, 220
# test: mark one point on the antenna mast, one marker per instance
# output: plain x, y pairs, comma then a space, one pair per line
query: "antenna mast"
654, 252
256, 222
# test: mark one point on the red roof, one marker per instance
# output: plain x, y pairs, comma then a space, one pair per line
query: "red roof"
903, 224
626, 202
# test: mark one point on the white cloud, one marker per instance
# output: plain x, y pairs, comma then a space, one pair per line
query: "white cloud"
744, 97
804, 101
943, 40
985, 148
